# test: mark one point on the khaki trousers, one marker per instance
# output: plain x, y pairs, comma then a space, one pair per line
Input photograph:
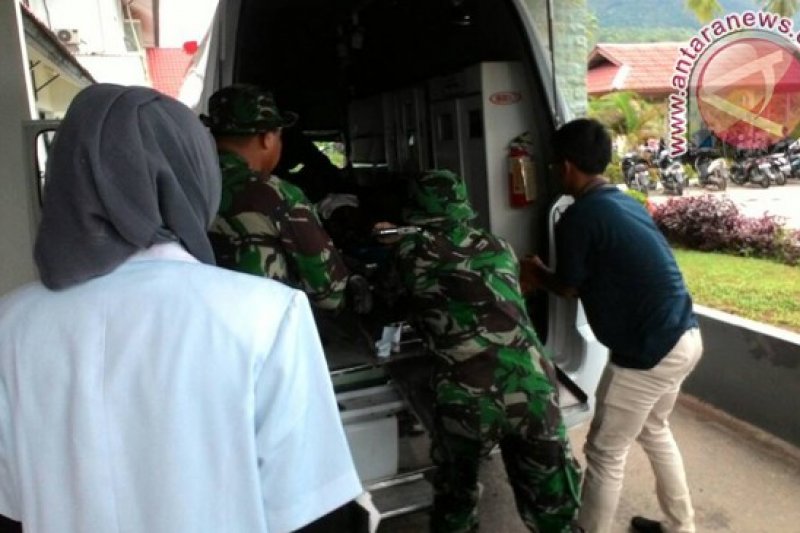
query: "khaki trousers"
635, 405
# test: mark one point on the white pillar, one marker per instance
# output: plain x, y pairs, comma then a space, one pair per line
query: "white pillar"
570, 18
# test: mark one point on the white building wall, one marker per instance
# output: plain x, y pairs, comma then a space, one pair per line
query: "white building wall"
101, 49
99, 22
54, 87
124, 69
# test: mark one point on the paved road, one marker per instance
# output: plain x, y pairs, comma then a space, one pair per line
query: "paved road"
742, 480
754, 201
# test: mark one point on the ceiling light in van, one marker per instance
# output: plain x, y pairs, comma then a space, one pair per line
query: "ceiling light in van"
461, 15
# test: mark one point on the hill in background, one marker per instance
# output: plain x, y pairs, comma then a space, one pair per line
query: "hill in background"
651, 20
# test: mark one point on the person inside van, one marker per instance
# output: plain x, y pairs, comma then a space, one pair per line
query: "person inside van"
141, 387
266, 226
612, 256
493, 383
306, 166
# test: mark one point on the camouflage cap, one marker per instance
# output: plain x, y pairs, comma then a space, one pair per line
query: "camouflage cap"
245, 109
438, 196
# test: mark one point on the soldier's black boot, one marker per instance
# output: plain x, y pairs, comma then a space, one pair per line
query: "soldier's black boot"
640, 524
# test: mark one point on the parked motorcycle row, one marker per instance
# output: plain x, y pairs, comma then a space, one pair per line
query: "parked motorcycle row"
636, 171
761, 168
764, 168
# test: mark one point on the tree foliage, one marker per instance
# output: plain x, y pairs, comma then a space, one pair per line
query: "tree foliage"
787, 8
633, 34
704, 10
629, 115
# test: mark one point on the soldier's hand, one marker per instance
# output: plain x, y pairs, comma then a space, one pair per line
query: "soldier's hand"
530, 273
379, 227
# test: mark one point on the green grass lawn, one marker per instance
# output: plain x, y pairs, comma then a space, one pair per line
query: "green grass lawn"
752, 288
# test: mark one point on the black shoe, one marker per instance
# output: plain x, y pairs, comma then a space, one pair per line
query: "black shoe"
640, 524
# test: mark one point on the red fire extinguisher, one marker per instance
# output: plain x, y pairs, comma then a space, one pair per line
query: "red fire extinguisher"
521, 173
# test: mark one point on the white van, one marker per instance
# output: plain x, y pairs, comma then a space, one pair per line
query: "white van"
406, 85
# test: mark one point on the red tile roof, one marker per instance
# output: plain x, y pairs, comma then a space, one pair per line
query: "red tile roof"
600, 79
645, 68
168, 68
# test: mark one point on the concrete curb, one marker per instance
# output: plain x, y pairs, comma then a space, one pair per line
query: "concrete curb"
750, 371
777, 447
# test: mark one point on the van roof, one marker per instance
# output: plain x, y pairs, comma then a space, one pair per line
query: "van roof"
317, 54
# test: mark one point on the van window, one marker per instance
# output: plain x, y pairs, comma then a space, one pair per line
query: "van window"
334, 151
446, 127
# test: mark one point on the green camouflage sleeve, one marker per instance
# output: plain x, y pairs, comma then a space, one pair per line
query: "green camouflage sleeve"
318, 265
406, 263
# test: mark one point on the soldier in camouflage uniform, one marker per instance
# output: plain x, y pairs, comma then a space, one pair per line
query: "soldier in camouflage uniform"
265, 225
493, 383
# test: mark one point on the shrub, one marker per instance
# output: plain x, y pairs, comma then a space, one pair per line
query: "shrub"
790, 249
613, 171
641, 198
637, 195
691, 173
709, 223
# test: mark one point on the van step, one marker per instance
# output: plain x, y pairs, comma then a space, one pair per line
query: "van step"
402, 495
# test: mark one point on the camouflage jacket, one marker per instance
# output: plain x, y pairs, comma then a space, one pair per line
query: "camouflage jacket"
268, 228
465, 294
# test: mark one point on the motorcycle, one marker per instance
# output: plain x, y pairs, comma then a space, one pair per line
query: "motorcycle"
636, 172
756, 170
673, 177
781, 167
718, 174
793, 155
712, 169
785, 160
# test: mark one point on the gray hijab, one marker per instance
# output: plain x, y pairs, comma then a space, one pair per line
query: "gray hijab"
129, 168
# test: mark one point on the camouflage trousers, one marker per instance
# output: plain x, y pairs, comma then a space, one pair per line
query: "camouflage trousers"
520, 414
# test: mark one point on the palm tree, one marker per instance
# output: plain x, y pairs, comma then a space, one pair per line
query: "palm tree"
704, 10
628, 115
787, 8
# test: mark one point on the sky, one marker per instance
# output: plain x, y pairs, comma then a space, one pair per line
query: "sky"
184, 20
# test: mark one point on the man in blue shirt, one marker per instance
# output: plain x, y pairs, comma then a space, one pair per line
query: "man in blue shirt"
612, 256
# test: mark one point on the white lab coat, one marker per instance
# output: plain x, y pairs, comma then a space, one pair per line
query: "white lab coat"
167, 396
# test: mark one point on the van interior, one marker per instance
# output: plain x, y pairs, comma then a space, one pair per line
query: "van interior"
399, 84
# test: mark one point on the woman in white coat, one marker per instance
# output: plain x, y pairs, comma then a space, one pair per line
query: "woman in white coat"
142, 389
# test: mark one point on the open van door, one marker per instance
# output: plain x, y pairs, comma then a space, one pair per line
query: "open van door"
570, 340
411, 85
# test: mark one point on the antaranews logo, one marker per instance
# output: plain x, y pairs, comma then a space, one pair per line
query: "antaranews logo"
738, 79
